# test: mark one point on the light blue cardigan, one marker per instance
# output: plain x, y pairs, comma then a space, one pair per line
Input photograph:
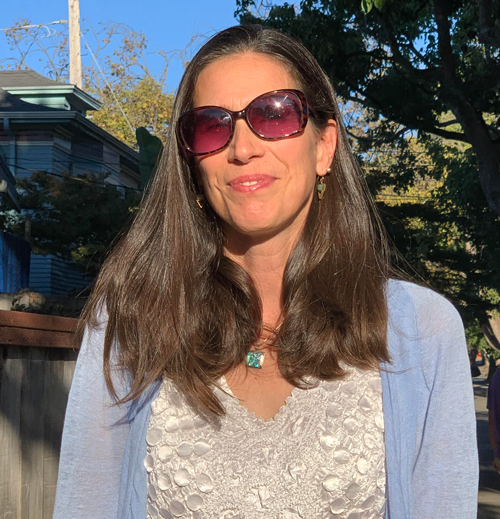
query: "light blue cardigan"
430, 431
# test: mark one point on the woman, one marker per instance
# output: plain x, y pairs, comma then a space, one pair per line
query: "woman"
264, 364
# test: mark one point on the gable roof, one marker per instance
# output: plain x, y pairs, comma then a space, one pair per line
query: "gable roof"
32, 87
25, 78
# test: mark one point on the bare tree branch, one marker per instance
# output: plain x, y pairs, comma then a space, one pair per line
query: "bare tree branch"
444, 124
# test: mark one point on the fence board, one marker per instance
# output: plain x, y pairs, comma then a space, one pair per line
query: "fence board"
54, 404
59, 369
11, 374
32, 453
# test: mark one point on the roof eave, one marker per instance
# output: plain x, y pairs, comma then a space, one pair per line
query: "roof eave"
64, 89
68, 116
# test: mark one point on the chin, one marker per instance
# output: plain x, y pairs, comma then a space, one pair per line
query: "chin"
254, 229
250, 222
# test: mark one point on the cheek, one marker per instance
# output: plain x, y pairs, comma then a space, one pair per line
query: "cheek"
205, 174
304, 165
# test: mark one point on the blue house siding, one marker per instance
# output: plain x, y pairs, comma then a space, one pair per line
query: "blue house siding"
61, 161
15, 263
52, 276
33, 156
5, 152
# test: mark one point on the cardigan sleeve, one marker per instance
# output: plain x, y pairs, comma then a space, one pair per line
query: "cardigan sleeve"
446, 467
94, 439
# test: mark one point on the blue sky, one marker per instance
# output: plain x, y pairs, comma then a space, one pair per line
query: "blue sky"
168, 25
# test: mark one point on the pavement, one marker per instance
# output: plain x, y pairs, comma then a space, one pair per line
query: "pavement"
489, 479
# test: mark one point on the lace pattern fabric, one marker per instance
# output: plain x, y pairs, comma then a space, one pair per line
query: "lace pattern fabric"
321, 456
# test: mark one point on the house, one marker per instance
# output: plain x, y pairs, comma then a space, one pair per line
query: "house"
44, 127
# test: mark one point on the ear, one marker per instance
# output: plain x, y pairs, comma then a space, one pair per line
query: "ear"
327, 144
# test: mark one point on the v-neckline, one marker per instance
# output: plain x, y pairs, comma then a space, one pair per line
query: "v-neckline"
282, 411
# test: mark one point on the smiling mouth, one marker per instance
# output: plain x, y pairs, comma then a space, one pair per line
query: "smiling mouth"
251, 183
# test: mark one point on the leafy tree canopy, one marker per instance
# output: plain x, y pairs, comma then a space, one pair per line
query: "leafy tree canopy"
412, 63
74, 218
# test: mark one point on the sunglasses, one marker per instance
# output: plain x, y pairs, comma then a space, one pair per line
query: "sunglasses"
272, 116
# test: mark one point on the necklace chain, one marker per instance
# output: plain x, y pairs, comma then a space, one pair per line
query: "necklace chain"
255, 358
273, 333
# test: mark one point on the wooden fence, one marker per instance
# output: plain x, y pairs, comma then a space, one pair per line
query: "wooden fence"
36, 369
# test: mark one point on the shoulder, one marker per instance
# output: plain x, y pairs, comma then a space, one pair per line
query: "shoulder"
425, 330
94, 333
420, 308
91, 357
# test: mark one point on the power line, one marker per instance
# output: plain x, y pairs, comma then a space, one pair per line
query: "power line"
107, 83
405, 197
70, 177
88, 161
14, 28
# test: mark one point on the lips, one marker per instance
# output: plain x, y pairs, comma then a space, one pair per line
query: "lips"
251, 183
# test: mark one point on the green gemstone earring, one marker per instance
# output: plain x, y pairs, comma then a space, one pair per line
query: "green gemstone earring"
321, 188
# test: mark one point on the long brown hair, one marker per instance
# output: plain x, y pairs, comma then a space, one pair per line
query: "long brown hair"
178, 307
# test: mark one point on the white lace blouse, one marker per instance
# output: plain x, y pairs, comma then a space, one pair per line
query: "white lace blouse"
321, 456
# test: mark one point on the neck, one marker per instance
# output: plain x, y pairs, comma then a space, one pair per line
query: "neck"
264, 260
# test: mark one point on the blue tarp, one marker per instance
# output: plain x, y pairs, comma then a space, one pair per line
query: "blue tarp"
15, 266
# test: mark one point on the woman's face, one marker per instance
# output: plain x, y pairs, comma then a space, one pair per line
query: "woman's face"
259, 188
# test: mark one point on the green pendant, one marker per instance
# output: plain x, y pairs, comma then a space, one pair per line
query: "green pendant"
255, 359
321, 188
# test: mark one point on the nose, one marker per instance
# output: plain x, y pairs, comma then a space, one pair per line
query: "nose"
244, 145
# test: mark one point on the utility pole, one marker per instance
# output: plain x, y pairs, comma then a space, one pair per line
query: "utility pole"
75, 55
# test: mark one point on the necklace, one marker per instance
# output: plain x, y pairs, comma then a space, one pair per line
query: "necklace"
255, 358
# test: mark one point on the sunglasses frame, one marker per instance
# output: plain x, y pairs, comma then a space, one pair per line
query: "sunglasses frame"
242, 114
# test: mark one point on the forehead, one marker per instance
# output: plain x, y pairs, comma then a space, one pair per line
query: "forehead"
233, 81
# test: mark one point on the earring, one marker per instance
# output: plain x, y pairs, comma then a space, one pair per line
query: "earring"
321, 188
200, 200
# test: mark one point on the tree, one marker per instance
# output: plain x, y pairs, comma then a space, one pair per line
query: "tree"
412, 62
74, 218
116, 71
419, 81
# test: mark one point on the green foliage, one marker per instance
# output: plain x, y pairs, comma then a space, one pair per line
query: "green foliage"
367, 5
74, 218
475, 339
434, 210
150, 148
131, 96
133, 103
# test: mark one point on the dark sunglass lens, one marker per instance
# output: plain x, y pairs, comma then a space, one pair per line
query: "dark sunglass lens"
207, 130
276, 115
